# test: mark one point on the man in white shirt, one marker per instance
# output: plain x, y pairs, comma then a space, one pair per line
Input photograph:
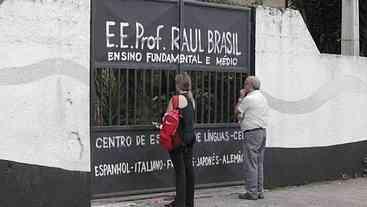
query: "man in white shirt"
252, 112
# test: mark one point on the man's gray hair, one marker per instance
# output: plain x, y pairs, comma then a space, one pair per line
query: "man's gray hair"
255, 82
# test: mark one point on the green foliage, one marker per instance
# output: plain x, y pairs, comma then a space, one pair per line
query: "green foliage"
323, 19
131, 97
139, 97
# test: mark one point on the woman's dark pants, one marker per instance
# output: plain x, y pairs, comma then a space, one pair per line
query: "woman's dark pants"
182, 162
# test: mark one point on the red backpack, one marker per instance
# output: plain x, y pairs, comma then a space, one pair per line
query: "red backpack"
169, 138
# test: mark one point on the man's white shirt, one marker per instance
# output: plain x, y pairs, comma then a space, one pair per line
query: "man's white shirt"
253, 111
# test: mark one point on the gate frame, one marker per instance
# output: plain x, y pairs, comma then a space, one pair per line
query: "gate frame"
179, 68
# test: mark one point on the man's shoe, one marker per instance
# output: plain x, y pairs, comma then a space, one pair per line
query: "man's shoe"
261, 196
247, 196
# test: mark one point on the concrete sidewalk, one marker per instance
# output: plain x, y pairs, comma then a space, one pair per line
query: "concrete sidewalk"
343, 193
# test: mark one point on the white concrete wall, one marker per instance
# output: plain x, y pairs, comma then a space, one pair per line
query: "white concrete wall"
315, 99
44, 82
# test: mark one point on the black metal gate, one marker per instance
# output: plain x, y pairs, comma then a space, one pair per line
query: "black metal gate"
129, 94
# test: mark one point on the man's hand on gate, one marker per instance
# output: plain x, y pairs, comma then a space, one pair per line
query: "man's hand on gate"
243, 93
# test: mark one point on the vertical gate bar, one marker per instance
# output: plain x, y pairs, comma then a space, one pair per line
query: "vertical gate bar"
195, 74
209, 94
222, 98
127, 97
160, 90
119, 98
104, 95
97, 91
103, 98
95, 81
167, 86
144, 96
216, 97
109, 97
202, 97
235, 85
229, 98
105, 88
151, 102
151, 84
234, 100
135, 94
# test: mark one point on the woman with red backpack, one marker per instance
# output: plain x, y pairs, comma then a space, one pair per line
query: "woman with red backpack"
181, 155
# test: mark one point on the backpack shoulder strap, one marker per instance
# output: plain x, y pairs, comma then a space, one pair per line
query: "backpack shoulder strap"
175, 101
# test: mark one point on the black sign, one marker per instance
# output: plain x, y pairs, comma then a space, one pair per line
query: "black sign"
145, 34
130, 160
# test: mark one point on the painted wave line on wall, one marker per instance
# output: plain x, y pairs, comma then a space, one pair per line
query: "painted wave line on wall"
47, 120
321, 96
43, 69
